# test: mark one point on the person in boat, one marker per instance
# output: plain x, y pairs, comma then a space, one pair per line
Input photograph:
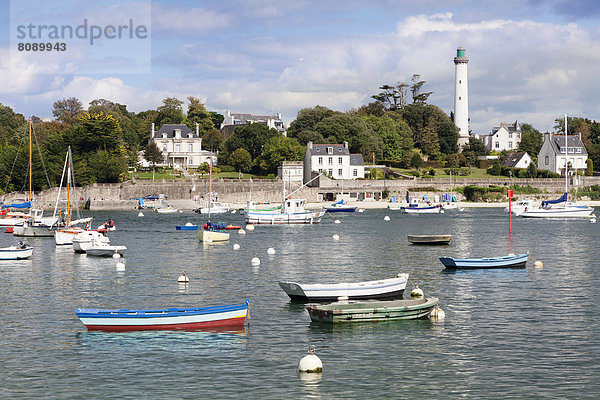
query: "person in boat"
22, 245
110, 223
88, 226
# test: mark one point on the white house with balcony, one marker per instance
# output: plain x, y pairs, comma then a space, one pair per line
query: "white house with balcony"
272, 121
334, 160
503, 137
181, 147
553, 153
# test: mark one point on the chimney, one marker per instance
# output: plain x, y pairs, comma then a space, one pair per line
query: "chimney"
546, 136
152, 130
309, 144
345, 144
197, 129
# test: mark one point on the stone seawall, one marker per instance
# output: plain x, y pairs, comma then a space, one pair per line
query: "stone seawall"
184, 192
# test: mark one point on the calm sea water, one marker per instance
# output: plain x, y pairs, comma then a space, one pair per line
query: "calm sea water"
524, 333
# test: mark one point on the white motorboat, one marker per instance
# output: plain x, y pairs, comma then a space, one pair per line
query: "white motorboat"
104, 250
383, 288
212, 232
215, 208
84, 240
418, 209
518, 207
20, 251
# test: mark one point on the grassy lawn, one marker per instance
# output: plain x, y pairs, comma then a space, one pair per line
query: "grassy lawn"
157, 175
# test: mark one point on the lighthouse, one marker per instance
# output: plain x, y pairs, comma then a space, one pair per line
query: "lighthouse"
461, 96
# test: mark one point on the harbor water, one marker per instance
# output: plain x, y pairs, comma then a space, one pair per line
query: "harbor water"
508, 333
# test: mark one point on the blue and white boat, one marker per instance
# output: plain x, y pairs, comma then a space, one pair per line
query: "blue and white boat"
416, 209
122, 320
340, 206
18, 252
509, 261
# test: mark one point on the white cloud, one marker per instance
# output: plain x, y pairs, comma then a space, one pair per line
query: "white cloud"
187, 21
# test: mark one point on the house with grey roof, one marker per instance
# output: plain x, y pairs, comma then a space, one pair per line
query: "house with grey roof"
555, 151
334, 160
272, 121
503, 137
181, 147
517, 160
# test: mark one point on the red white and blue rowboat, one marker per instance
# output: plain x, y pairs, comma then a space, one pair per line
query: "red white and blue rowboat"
510, 261
163, 319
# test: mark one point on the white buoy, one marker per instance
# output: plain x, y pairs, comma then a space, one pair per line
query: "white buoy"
249, 227
416, 292
342, 299
386, 218
140, 214
593, 220
120, 266
361, 210
337, 221
180, 211
183, 279
437, 313
241, 231
116, 255
336, 236
538, 264
236, 246
255, 261
270, 250
310, 363
233, 211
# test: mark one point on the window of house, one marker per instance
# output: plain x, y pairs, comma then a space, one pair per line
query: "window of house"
164, 147
177, 148
547, 160
518, 135
339, 160
330, 150
339, 172
354, 172
330, 160
191, 148
459, 97
330, 172
497, 145
578, 150
320, 160
320, 170
510, 135
510, 145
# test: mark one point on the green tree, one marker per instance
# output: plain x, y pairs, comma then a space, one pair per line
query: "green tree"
251, 137
67, 110
107, 167
418, 96
212, 139
392, 98
241, 160
96, 132
279, 148
395, 134
476, 146
340, 127
531, 140
170, 112
153, 155
12, 125
307, 119
197, 114
416, 161
426, 122
589, 170
531, 170
496, 168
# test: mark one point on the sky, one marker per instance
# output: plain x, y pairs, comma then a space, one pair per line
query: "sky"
531, 61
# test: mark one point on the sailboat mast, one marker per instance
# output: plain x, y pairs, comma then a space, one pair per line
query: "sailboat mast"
69, 186
566, 159
30, 164
209, 186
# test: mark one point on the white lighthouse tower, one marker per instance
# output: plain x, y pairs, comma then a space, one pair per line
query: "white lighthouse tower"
461, 96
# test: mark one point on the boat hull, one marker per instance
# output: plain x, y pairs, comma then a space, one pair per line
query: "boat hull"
212, 236
15, 253
340, 209
65, 237
372, 311
186, 227
105, 251
422, 210
516, 261
559, 212
163, 319
430, 239
276, 218
380, 289
33, 231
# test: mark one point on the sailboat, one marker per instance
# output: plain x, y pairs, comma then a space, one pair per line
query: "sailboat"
211, 232
64, 236
561, 207
36, 225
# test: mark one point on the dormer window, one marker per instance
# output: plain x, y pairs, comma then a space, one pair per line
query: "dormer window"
330, 150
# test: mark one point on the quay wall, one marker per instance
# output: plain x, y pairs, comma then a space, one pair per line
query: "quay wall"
186, 193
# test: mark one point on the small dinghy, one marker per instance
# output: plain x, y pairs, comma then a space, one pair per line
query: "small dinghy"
122, 320
18, 252
372, 311
509, 261
429, 239
380, 289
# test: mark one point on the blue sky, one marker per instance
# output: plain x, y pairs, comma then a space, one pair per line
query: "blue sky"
530, 61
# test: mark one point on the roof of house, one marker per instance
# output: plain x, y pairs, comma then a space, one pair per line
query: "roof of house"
169, 129
356, 159
573, 142
321, 150
255, 118
509, 127
513, 159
